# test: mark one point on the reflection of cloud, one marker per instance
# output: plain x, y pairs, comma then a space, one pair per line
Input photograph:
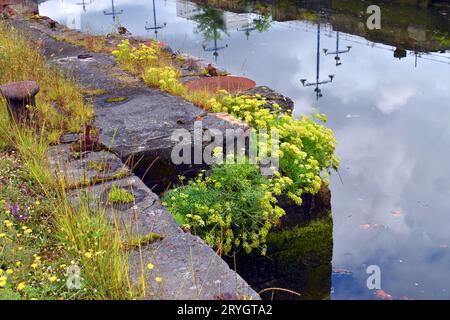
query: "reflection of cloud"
393, 98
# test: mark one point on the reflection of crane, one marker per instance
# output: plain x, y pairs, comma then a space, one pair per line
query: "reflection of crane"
317, 83
113, 12
337, 52
84, 4
155, 26
215, 49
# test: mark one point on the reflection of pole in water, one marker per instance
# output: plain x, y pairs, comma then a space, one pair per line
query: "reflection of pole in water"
113, 12
215, 49
84, 4
337, 52
247, 30
416, 56
156, 26
318, 83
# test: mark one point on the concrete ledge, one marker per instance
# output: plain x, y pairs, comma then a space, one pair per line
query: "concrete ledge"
88, 168
189, 269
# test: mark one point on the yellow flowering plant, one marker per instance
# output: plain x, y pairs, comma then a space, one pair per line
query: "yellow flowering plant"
136, 59
306, 146
232, 207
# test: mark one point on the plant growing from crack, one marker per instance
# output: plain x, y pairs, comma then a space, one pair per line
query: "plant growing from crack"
118, 195
99, 166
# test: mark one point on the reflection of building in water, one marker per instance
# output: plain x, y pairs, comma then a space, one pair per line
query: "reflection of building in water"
233, 21
186, 9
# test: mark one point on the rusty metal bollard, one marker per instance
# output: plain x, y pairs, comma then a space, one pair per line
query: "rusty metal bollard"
18, 96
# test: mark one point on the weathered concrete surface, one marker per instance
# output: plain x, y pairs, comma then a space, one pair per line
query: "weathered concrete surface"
145, 123
87, 168
142, 126
139, 128
189, 269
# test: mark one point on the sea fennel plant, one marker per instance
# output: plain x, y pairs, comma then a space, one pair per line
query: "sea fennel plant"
233, 206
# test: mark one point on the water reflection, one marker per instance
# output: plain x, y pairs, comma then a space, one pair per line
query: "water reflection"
155, 26
318, 82
260, 24
113, 11
211, 25
389, 116
337, 52
84, 4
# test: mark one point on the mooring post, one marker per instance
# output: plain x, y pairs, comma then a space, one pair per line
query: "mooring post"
18, 96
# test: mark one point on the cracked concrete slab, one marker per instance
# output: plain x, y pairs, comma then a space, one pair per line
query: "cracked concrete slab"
142, 216
85, 168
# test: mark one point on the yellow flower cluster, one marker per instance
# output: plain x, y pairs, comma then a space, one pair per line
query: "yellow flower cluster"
306, 146
233, 206
134, 59
165, 78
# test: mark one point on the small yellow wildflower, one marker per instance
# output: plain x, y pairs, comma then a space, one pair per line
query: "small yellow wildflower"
21, 286
88, 255
2, 235
3, 281
158, 279
150, 266
9, 271
18, 264
53, 278
7, 223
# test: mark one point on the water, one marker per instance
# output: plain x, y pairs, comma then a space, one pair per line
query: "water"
390, 117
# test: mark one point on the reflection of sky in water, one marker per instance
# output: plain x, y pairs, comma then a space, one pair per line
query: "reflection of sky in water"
391, 121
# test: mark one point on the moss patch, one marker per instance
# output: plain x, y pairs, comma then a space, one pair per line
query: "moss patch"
138, 241
116, 99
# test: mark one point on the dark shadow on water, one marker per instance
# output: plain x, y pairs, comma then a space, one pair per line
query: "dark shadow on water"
299, 253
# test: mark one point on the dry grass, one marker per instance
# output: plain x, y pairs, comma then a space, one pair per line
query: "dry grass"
85, 233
